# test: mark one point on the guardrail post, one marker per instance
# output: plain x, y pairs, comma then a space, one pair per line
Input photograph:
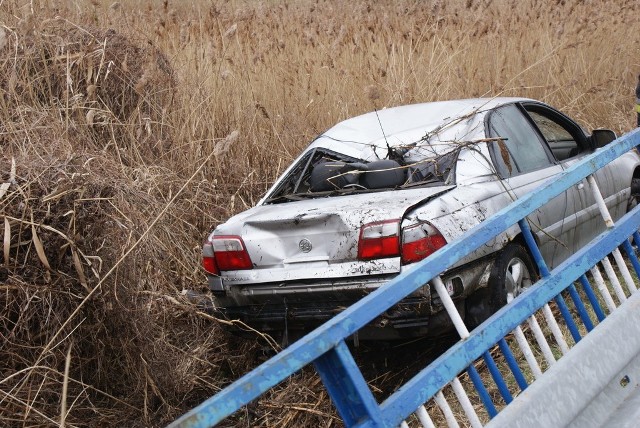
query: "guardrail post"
544, 272
347, 387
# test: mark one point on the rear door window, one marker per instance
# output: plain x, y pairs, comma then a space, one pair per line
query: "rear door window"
519, 147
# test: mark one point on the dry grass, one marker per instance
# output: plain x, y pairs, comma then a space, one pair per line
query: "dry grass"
135, 127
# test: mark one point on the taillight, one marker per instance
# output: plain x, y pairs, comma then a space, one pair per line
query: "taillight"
379, 240
209, 264
420, 241
230, 253
208, 259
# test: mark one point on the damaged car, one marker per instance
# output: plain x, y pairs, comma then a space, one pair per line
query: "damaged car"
375, 194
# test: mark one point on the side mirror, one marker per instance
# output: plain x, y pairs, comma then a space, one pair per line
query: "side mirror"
602, 137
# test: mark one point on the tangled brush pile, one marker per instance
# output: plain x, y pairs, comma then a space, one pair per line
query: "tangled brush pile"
99, 237
101, 224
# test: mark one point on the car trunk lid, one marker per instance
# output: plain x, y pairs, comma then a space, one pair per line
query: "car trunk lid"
317, 238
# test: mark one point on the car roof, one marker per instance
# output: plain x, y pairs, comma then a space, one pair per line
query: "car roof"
405, 124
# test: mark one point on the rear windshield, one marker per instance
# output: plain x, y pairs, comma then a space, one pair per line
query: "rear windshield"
325, 173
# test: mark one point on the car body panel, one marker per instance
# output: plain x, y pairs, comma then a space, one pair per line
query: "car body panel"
331, 226
615, 190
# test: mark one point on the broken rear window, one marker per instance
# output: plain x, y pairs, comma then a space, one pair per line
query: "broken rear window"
322, 173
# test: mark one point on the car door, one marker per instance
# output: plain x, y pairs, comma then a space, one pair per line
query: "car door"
569, 144
524, 162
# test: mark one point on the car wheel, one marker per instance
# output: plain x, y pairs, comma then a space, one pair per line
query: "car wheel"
513, 271
634, 198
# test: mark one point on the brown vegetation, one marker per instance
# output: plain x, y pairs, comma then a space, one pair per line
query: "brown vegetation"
129, 129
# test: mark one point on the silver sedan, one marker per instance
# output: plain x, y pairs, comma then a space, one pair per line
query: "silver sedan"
376, 193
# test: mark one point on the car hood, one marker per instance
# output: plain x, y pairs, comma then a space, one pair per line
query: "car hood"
317, 238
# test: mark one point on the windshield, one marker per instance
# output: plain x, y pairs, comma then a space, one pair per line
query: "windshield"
324, 173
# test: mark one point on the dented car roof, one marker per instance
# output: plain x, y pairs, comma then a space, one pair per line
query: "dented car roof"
441, 121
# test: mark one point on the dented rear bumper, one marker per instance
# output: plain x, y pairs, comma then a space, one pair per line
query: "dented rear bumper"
303, 305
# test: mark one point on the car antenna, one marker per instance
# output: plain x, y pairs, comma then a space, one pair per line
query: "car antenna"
390, 152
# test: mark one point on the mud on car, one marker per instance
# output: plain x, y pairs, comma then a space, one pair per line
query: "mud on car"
375, 194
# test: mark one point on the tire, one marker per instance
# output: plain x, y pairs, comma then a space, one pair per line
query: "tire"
634, 197
513, 271
634, 200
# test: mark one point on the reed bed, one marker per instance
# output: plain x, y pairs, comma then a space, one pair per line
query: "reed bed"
129, 129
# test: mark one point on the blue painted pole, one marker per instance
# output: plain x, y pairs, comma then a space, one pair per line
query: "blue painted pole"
347, 388
482, 391
595, 304
579, 305
513, 364
497, 377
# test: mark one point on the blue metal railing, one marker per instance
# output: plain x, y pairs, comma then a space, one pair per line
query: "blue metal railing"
326, 348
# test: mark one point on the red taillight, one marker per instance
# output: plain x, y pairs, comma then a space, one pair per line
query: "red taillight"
420, 241
209, 264
208, 259
379, 240
230, 253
